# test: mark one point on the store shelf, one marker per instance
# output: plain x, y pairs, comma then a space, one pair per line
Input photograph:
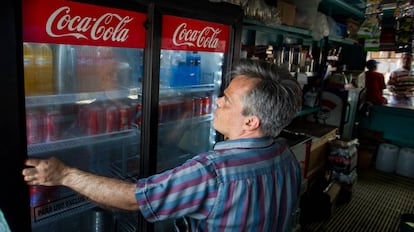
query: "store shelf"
251, 24
255, 25
308, 110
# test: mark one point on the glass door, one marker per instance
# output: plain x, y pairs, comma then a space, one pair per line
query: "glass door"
82, 74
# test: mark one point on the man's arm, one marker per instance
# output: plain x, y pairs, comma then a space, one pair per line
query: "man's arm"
102, 190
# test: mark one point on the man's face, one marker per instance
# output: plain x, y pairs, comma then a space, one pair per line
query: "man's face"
406, 61
228, 118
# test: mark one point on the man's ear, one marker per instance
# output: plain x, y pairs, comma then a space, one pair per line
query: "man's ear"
252, 123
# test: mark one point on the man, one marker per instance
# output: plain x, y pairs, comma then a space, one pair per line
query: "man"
401, 80
403, 71
374, 84
249, 182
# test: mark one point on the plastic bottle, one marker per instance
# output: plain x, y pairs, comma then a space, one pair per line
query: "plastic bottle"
45, 84
165, 68
84, 67
194, 71
29, 69
179, 69
104, 78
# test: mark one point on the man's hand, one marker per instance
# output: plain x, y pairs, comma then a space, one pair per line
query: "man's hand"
103, 190
47, 172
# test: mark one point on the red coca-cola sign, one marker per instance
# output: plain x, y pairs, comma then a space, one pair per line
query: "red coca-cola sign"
67, 22
193, 35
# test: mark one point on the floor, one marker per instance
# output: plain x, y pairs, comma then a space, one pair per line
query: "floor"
378, 199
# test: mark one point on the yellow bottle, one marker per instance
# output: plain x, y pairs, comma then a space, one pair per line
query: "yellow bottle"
29, 70
43, 62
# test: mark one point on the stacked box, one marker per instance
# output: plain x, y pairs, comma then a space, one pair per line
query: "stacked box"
343, 156
343, 159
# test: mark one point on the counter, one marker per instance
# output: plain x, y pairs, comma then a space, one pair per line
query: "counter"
395, 120
400, 102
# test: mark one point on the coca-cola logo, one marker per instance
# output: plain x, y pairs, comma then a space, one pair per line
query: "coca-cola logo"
205, 38
109, 26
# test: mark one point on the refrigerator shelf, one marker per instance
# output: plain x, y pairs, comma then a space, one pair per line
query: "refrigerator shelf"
174, 91
82, 98
186, 122
35, 149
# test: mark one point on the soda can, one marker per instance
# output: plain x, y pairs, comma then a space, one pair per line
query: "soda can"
138, 114
91, 126
161, 111
111, 119
34, 126
95, 121
36, 196
188, 107
197, 106
124, 117
179, 109
52, 125
40, 195
83, 118
206, 105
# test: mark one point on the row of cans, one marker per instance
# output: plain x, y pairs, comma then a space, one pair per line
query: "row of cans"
48, 126
43, 126
184, 108
95, 119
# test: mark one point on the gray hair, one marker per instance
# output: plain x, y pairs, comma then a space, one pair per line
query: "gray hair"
275, 99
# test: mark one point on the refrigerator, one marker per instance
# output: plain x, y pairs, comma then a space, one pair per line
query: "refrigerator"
196, 48
339, 109
82, 69
123, 89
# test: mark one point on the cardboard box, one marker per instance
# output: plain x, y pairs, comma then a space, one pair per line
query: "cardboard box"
333, 191
321, 134
287, 12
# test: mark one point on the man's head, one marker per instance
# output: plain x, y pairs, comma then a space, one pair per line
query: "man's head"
406, 60
371, 65
260, 100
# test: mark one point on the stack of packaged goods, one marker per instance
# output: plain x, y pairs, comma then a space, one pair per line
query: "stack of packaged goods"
342, 160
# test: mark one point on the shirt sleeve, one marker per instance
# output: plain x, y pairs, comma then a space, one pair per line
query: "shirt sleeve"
186, 190
382, 82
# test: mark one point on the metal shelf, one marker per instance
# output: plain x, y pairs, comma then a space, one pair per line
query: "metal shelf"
40, 148
86, 97
254, 25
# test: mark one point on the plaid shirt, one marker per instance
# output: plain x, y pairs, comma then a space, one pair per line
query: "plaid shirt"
242, 185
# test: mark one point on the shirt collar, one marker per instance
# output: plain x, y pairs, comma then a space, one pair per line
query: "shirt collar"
244, 143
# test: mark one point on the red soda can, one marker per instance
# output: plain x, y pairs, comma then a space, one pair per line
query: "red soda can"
36, 196
95, 121
40, 195
138, 114
124, 117
162, 112
188, 108
53, 125
34, 126
197, 107
83, 118
92, 123
206, 105
111, 119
